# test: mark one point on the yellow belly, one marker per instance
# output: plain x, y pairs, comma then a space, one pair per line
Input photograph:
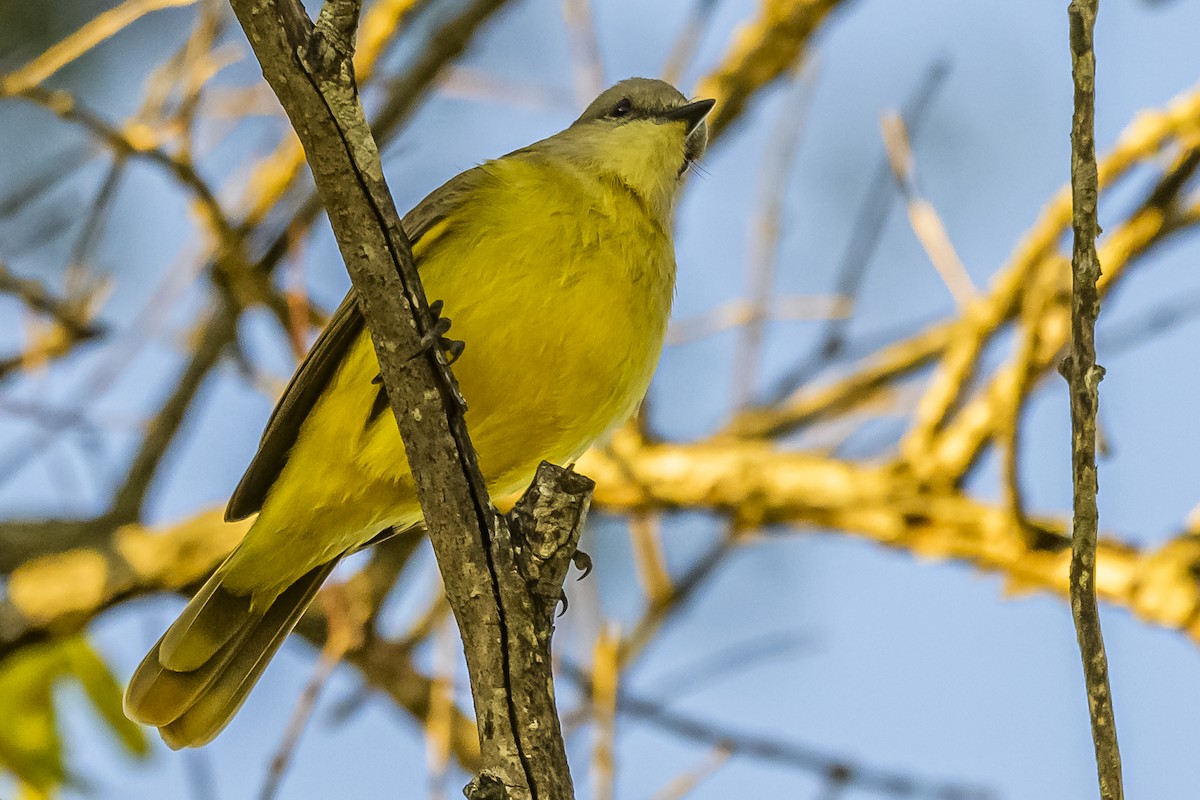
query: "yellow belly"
563, 315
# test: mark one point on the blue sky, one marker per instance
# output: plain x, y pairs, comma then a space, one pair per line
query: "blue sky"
924, 668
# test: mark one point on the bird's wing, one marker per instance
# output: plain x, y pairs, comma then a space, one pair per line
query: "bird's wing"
327, 352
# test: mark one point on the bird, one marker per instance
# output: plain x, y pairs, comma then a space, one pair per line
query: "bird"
557, 265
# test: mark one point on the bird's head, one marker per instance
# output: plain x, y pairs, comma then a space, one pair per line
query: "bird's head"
645, 133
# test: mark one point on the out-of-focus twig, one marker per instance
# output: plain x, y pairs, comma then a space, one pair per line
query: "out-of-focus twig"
864, 237
587, 65
216, 331
344, 626
757, 484
140, 142
688, 40
950, 452
97, 30
863, 777
922, 216
778, 162
761, 51
72, 319
76, 315
646, 540
439, 724
1149, 132
606, 676
682, 785
738, 313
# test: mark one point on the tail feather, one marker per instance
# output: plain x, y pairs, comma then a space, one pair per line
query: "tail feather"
213, 619
191, 689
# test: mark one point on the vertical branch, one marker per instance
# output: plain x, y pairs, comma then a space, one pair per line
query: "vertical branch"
1083, 376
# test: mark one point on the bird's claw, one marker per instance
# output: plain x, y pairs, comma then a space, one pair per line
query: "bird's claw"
453, 348
582, 562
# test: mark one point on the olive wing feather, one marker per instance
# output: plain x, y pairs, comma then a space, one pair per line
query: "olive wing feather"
319, 366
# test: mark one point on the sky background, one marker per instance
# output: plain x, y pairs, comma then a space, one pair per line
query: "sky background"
923, 668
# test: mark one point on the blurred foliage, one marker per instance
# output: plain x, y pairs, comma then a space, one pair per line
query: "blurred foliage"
31, 681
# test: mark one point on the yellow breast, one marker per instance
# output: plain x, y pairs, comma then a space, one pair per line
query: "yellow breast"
561, 285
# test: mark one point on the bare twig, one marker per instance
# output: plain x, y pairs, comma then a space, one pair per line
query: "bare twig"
865, 235
606, 676
1145, 136
586, 62
344, 626
217, 331
439, 725
777, 166
865, 778
738, 313
922, 216
688, 40
1083, 375
682, 785
762, 50
645, 537
137, 142
74, 314
98, 29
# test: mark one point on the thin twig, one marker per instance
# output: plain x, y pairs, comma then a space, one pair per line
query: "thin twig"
606, 677
863, 777
218, 330
98, 29
439, 724
778, 164
922, 216
688, 40
682, 785
865, 235
74, 314
761, 51
586, 62
738, 313
344, 626
1083, 375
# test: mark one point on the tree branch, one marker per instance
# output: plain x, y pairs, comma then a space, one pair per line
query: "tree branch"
218, 329
1083, 375
504, 621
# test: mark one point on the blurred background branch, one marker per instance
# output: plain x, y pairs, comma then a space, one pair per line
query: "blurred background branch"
118, 373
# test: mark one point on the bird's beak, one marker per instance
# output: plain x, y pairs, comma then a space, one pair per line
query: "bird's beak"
692, 113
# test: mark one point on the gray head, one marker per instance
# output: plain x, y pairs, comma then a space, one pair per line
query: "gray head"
649, 99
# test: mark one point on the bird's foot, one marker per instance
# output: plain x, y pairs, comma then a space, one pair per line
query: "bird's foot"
453, 348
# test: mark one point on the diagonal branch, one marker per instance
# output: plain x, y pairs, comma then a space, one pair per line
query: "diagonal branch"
504, 622
219, 330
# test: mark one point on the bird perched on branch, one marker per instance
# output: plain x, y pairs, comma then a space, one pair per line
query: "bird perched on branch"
557, 266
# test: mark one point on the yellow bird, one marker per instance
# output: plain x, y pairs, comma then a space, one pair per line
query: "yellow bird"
557, 266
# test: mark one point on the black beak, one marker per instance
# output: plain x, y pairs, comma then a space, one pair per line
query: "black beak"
691, 113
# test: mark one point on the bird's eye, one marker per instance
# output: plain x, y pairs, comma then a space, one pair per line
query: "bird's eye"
623, 107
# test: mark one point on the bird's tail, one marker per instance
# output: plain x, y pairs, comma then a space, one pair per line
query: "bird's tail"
198, 674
